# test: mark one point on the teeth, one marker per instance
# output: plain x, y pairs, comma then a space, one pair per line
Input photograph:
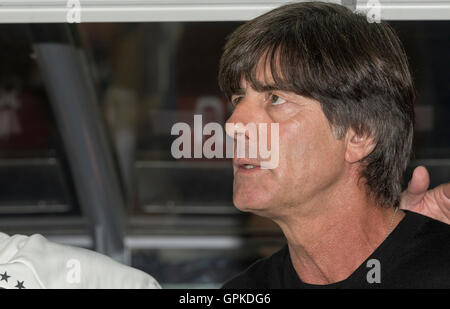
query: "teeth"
248, 166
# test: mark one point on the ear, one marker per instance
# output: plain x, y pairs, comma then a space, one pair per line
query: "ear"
358, 146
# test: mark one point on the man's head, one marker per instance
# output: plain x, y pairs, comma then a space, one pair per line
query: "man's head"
341, 91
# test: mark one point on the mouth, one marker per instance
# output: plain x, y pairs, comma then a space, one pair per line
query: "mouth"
247, 167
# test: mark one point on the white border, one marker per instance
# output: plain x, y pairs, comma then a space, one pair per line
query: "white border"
53, 11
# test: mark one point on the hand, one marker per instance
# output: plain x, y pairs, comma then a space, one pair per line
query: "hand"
433, 203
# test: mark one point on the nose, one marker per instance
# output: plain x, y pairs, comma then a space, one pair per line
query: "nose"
248, 111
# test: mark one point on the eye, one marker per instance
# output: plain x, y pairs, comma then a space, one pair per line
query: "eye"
276, 100
235, 100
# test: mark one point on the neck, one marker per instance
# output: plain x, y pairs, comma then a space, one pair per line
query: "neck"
328, 243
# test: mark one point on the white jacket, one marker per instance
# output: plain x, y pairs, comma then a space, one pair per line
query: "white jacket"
35, 263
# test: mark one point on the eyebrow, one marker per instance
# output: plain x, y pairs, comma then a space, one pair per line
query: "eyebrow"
261, 88
239, 91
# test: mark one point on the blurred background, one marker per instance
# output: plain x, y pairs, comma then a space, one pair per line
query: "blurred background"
85, 117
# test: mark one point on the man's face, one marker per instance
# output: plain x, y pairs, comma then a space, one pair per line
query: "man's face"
311, 159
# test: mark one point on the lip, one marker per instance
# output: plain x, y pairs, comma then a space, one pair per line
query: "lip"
239, 164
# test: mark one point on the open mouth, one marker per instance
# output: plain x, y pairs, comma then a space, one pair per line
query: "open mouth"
246, 166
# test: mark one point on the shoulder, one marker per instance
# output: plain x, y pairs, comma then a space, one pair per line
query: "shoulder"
264, 273
429, 236
425, 260
45, 264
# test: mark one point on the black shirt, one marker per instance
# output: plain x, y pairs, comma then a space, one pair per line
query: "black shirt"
415, 255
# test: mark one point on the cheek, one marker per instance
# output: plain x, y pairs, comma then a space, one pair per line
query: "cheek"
294, 143
308, 150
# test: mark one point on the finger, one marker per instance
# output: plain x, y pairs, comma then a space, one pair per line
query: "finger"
420, 181
417, 187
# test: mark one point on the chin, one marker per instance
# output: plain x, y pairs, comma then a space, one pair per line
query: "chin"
249, 203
